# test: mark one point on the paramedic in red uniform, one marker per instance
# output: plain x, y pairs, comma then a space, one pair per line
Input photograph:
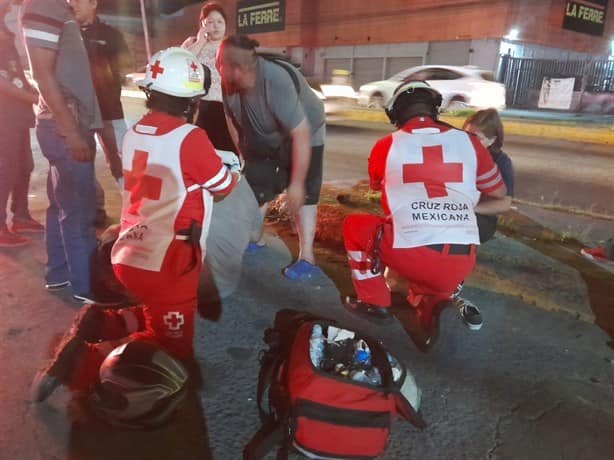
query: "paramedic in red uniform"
433, 179
171, 174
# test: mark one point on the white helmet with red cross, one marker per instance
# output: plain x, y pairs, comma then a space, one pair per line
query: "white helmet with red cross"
176, 72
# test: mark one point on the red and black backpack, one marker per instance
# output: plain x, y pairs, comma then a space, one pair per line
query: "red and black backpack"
319, 414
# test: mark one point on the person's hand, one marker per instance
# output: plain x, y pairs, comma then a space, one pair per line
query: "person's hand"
115, 165
296, 197
78, 149
230, 159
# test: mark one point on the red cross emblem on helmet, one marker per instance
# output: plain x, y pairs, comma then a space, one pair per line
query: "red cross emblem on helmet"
156, 69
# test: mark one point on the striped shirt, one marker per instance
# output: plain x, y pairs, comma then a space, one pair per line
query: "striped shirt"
50, 24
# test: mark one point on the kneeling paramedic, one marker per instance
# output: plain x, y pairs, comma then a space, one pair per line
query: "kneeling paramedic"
171, 174
433, 178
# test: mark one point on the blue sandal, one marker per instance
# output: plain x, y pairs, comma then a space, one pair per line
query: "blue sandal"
301, 270
254, 248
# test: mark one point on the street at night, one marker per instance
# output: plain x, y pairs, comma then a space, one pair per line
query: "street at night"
532, 384
330, 230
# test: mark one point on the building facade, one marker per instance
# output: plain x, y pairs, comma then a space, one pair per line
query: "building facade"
376, 39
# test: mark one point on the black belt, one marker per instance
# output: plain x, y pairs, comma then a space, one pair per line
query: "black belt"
454, 249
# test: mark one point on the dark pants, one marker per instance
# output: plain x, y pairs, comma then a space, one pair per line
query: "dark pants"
16, 165
211, 118
69, 230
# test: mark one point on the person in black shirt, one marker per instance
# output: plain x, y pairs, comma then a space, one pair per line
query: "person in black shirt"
110, 60
16, 118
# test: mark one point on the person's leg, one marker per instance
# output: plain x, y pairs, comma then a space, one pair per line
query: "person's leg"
22, 220
10, 140
9, 175
257, 236
359, 234
306, 220
72, 185
170, 297
56, 272
25, 166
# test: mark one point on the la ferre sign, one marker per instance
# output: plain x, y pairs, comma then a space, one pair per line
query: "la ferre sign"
256, 16
585, 16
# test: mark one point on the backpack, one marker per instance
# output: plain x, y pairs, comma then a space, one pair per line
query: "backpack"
320, 414
288, 66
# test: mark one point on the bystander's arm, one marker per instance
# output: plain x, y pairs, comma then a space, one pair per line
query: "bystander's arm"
43, 68
495, 202
301, 157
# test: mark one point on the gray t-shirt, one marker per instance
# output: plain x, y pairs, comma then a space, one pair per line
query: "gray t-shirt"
274, 107
51, 24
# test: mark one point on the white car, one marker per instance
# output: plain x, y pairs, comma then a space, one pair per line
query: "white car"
460, 87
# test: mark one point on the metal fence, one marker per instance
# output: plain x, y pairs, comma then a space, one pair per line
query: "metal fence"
523, 77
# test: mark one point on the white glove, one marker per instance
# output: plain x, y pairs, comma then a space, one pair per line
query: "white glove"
230, 159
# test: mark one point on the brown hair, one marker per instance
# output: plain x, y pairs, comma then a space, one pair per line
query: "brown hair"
489, 123
208, 7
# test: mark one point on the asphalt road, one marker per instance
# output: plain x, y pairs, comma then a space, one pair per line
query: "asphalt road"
565, 174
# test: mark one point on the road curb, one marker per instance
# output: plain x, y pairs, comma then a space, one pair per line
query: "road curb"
566, 131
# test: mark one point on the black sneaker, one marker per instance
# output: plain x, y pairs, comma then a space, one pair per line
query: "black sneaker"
368, 311
59, 369
471, 314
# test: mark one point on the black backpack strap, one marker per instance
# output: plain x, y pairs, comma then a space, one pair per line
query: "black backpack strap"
274, 417
287, 66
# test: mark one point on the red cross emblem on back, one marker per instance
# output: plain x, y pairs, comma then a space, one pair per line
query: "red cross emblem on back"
139, 184
194, 66
434, 173
156, 69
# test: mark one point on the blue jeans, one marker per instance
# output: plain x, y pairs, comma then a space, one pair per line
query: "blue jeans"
69, 234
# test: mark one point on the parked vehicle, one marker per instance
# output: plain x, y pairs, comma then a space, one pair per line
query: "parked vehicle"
460, 86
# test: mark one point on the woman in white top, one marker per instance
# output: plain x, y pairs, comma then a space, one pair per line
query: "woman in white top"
212, 30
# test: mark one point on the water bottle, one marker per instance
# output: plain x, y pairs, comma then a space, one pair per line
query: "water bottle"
397, 370
362, 353
359, 376
316, 345
370, 376
362, 357
373, 376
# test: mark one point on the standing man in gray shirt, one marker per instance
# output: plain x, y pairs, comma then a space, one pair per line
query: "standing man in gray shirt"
281, 131
66, 119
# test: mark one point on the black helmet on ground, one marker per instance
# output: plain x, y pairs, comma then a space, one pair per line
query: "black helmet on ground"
140, 386
411, 99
